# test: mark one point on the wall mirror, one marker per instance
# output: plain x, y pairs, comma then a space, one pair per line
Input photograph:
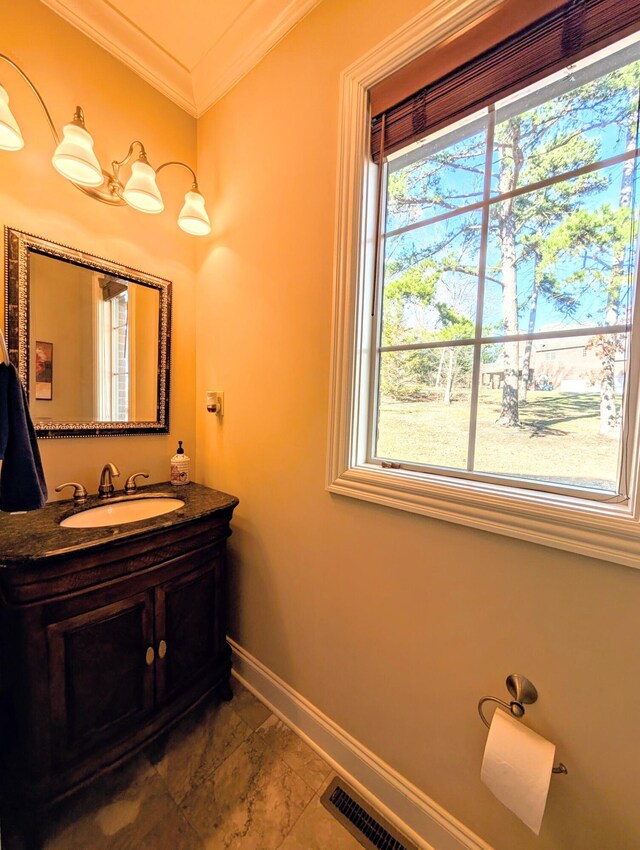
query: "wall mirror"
90, 339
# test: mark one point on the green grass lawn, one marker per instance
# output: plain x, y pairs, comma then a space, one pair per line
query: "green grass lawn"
559, 439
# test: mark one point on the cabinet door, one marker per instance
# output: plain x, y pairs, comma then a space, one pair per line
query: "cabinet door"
190, 630
101, 674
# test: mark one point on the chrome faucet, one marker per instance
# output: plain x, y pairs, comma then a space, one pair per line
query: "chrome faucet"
106, 488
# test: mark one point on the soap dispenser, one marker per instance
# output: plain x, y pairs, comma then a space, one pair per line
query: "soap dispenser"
180, 466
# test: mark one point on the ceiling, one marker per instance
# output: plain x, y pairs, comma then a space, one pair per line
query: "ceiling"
194, 56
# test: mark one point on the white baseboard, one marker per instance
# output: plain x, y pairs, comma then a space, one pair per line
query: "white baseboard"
419, 817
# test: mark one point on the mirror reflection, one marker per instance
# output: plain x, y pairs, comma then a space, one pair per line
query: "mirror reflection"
95, 343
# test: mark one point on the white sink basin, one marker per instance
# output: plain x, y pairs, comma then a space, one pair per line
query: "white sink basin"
117, 513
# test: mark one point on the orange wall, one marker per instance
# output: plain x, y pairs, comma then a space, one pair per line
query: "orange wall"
70, 69
392, 624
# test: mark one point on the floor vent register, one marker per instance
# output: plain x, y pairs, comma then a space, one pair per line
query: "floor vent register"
362, 821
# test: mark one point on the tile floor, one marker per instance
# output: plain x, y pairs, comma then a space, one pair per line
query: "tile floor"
230, 777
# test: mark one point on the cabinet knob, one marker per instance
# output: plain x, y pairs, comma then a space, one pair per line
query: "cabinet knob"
162, 648
150, 655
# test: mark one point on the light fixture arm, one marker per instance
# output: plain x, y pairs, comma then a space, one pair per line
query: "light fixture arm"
17, 68
183, 165
117, 164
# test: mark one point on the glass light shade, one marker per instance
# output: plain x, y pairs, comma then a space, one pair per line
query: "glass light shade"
141, 191
74, 157
10, 135
193, 216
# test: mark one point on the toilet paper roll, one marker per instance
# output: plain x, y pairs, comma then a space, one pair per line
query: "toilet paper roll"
517, 767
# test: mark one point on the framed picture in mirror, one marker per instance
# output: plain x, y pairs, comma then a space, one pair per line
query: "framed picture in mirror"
44, 370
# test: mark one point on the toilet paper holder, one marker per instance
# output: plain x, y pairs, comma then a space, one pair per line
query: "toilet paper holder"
524, 693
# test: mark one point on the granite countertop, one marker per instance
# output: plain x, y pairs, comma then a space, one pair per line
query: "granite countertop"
37, 534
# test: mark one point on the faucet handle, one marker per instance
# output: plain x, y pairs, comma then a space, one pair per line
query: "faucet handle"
130, 485
79, 492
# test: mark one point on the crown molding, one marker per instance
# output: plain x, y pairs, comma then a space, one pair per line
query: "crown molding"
250, 38
253, 35
108, 28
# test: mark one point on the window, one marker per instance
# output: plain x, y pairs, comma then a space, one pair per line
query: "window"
509, 239
494, 381
113, 350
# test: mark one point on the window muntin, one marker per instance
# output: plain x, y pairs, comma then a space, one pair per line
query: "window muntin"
564, 220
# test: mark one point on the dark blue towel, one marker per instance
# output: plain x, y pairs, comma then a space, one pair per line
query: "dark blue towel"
22, 484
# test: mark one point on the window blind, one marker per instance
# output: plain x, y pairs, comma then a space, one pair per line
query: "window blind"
111, 288
572, 31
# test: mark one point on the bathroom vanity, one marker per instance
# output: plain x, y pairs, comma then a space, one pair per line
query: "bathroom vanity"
109, 635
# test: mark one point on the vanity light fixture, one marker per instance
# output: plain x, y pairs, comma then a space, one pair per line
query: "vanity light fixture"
74, 158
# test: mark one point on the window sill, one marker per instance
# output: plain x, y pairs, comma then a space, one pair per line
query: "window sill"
608, 532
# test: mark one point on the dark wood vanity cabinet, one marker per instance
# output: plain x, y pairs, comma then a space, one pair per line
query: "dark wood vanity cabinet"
104, 648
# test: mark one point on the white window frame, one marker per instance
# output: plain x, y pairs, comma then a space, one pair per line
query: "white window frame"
103, 353
608, 531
